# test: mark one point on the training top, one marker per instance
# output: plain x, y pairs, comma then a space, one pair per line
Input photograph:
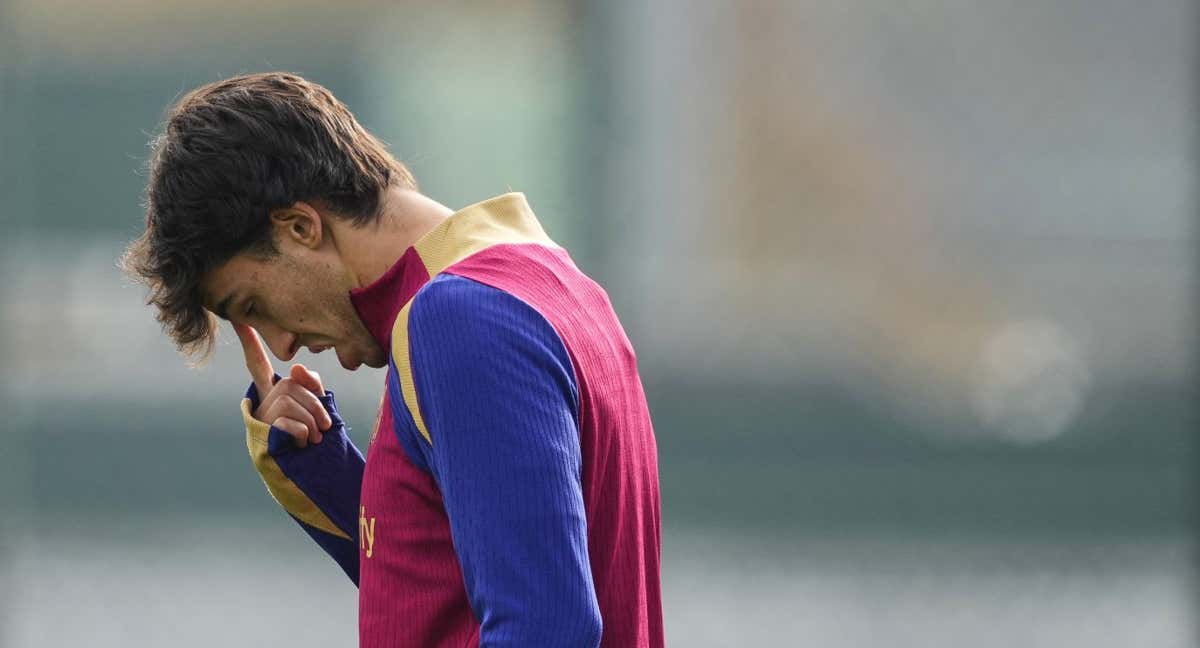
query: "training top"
509, 495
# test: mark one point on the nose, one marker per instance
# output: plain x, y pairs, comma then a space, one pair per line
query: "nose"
281, 343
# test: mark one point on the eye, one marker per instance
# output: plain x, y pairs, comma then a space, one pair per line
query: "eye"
249, 309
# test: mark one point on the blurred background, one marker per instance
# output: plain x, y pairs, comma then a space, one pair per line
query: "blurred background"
910, 282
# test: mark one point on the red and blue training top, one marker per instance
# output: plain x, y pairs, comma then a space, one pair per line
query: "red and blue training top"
509, 496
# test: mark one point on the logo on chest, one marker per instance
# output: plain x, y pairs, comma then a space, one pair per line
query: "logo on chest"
366, 532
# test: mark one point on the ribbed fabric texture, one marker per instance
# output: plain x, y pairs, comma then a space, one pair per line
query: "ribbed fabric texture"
411, 594
530, 514
620, 457
497, 390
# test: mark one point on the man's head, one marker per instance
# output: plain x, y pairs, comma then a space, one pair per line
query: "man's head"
245, 183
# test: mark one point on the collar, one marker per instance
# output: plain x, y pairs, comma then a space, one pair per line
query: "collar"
503, 219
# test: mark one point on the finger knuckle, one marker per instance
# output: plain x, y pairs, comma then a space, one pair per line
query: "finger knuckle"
297, 391
298, 412
288, 403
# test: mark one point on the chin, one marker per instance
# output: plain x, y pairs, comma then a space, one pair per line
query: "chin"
351, 362
347, 363
355, 356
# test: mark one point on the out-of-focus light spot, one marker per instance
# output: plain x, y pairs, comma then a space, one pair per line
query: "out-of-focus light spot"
1032, 382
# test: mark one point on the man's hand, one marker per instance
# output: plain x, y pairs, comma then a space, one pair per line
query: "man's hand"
290, 404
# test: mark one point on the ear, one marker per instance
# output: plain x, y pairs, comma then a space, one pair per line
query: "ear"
299, 223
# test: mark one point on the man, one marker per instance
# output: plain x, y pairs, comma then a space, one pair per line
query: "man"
509, 495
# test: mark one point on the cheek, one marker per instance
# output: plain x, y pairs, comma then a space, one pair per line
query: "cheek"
319, 306
296, 312
334, 314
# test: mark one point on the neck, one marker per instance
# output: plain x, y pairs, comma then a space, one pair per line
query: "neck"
405, 216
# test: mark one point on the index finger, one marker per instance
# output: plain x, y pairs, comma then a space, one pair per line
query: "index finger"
257, 361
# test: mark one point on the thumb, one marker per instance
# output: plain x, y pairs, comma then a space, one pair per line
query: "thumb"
307, 379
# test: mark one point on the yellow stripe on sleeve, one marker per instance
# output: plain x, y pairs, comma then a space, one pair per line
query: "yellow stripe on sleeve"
285, 491
400, 354
507, 218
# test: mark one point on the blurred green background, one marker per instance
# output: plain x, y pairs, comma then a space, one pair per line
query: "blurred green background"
910, 283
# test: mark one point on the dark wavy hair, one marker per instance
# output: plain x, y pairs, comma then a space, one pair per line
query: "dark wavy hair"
228, 153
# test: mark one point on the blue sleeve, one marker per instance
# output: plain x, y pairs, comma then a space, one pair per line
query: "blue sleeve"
318, 486
497, 391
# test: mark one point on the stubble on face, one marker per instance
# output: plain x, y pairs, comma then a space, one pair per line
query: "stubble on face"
324, 315
304, 296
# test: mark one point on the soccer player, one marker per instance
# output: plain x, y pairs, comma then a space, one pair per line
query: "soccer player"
509, 495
